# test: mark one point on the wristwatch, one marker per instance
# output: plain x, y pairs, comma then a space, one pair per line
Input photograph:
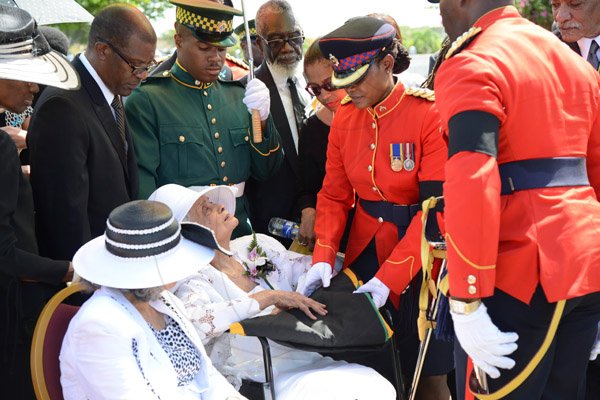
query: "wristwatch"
462, 307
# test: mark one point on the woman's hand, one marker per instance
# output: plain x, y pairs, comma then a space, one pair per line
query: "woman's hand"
306, 233
287, 300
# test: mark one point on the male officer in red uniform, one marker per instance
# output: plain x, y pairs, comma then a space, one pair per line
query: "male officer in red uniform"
522, 218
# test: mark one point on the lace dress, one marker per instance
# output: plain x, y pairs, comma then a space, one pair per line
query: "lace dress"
213, 302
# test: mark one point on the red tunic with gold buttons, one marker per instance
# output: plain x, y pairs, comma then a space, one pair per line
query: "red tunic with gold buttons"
547, 236
358, 161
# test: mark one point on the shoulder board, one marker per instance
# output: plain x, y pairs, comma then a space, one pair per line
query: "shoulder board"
158, 75
346, 100
226, 82
462, 41
423, 93
236, 61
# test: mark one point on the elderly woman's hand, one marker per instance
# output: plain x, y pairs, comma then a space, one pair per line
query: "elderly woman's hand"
286, 300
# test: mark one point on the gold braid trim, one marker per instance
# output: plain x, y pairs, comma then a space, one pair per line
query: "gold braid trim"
462, 41
423, 93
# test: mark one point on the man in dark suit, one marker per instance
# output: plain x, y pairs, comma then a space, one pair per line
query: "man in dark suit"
578, 25
280, 38
27, 280
82, 158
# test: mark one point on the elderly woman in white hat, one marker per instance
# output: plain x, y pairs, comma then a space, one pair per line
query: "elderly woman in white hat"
258, 279
131, 339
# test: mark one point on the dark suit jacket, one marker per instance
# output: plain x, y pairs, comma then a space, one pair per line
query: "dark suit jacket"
79, 170
277, 196
20, 302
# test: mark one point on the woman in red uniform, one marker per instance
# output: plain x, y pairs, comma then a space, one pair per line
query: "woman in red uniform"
385, 149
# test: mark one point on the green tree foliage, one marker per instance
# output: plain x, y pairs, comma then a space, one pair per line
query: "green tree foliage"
537, 11
425, 40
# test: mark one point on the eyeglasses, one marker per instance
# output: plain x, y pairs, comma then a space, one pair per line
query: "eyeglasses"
277, 44
315, 89
135, 70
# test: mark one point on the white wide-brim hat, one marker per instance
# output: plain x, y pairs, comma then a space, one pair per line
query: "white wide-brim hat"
135, 254
25, 54
181, 199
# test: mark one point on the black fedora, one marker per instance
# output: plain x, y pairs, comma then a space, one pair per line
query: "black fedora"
25, 55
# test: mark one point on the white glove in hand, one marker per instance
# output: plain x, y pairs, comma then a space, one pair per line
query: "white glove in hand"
378, 291
318, 274
483, 341
257, 98
596, 346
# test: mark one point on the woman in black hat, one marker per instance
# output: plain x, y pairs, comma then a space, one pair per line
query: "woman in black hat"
132, 338
386, 148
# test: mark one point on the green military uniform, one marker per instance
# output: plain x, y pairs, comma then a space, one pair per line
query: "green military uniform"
197, 134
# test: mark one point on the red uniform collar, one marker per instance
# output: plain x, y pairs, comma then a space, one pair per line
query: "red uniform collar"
498, 13
389, 103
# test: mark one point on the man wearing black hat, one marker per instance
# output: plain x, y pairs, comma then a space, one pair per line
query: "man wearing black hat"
82, 159
522, 114
192, 128
280, 37
257, 54
27, 280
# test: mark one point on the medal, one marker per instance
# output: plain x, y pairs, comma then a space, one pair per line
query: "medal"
409, 156
395, 157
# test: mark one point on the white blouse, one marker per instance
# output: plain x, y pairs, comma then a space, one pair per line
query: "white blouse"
213, 302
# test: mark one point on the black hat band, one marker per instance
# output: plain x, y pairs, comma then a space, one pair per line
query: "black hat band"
140, 243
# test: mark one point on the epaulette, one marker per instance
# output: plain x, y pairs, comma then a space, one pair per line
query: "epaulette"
423, 93
462, 41
237, 61
346, 100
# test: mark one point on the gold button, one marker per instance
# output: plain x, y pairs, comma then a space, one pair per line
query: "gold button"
222, 164
380, 219
225, 179
369, 168
372, 146
209, 107
213, 121
246, 138
182, 138
165, 73
197, 82
219, 149
216, 135
205, 93
471, 279
374, 189
472, 289
374, 125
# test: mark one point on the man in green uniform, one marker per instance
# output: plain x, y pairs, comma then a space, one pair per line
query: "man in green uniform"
191, 128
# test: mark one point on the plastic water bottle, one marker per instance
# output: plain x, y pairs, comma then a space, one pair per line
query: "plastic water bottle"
283, 228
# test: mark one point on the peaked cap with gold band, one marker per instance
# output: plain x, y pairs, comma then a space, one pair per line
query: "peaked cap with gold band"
241, 32
352, 48
211, 22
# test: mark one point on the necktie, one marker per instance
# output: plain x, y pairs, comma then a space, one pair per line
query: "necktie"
117, 105
297, 103
592, 57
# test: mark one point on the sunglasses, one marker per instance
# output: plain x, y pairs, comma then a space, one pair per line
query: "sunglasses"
277, 44
135, 70
315, 89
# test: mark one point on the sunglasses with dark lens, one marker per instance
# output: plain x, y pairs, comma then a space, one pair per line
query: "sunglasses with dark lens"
277, 44
135, 70
315, 90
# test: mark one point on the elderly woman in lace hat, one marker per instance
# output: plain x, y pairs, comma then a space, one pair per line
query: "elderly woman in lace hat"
131, 339
258, 279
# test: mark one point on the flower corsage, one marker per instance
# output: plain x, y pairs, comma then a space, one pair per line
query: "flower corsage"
258, 264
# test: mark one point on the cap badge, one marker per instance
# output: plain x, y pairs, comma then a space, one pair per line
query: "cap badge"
221, 27
334, 60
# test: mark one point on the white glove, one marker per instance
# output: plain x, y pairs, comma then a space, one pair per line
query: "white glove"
378, 291
318, 274
257, 97
483, 341
596, 346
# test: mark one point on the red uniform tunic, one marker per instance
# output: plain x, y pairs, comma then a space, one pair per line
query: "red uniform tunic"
545, 109
358, 161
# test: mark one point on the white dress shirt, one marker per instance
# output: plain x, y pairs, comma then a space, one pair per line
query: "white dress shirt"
286, 97
584, 46
108, 95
